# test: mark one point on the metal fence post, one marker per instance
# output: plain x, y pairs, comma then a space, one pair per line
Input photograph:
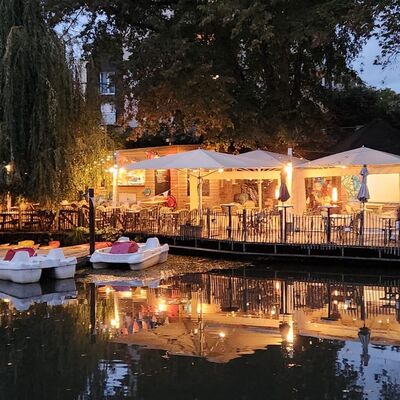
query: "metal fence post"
208, 222
92, 226
244, 225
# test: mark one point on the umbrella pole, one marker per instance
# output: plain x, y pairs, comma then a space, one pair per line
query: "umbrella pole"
200, 196
362, 223
260, 195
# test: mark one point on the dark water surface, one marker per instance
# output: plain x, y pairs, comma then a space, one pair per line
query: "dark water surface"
241, 333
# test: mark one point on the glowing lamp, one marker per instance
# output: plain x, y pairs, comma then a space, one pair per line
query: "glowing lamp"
277, 194
334, 195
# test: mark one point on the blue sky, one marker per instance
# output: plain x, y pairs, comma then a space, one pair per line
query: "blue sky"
374, 75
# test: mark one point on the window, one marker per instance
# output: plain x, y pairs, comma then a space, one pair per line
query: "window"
162, 181
136, 177
107, 83
108, 113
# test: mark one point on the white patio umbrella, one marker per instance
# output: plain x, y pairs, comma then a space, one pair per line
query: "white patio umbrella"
270, 160
356, 157
201, 162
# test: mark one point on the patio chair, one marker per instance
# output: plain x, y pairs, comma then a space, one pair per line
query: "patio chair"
183, 216
249, 204
147, 220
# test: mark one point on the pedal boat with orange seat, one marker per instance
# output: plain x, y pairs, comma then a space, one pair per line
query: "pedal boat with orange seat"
136, 255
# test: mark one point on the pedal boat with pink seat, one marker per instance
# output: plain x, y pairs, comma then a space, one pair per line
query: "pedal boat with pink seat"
136, 255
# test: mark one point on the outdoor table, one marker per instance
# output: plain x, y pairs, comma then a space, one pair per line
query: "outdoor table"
283, 220
229, 227
328, 226
152, 202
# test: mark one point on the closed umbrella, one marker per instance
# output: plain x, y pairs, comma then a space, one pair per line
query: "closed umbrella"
284, 194
363, 196
363, 193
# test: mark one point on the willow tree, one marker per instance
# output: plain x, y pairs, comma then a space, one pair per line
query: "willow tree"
36, 105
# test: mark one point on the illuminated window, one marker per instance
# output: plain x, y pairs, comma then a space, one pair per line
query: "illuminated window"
132, 178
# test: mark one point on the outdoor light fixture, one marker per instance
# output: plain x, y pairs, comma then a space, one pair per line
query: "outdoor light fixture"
289, 170
8, 168
221, 334
277, 194
221, 170
334, 195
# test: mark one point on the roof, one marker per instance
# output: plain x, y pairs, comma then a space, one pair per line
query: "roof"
377, 134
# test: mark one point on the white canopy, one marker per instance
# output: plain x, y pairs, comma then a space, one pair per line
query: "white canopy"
269, 159
205, 162
356, 157
196, 159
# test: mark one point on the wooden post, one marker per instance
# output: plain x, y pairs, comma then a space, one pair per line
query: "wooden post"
281, 225
208, 219
92, 305
229, 229
328, 233
244, 222
92, 225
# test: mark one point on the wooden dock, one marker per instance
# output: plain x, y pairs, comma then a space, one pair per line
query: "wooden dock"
233, 249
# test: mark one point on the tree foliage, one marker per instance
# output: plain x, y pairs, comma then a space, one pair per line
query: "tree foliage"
235, 72
36, 101
359, 105
388, 29
47, 129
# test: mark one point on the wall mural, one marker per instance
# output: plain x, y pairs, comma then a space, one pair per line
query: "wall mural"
350, 187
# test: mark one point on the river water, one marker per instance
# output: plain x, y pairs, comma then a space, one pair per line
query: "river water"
201, 329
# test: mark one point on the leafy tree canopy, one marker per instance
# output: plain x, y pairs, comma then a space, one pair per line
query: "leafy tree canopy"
235, 72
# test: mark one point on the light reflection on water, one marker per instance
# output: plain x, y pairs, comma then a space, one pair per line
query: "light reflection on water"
201, 336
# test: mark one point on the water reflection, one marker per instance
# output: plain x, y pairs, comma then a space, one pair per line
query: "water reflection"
205, 306
202, 336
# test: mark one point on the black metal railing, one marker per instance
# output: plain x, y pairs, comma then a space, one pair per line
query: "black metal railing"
250, 226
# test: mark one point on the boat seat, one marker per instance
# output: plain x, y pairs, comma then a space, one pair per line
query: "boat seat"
152, 243
56, 254
10, 255
19, 255
124, 248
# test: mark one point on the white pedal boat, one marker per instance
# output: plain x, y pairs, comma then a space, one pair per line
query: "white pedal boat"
149, 254
25, 269
57, 265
